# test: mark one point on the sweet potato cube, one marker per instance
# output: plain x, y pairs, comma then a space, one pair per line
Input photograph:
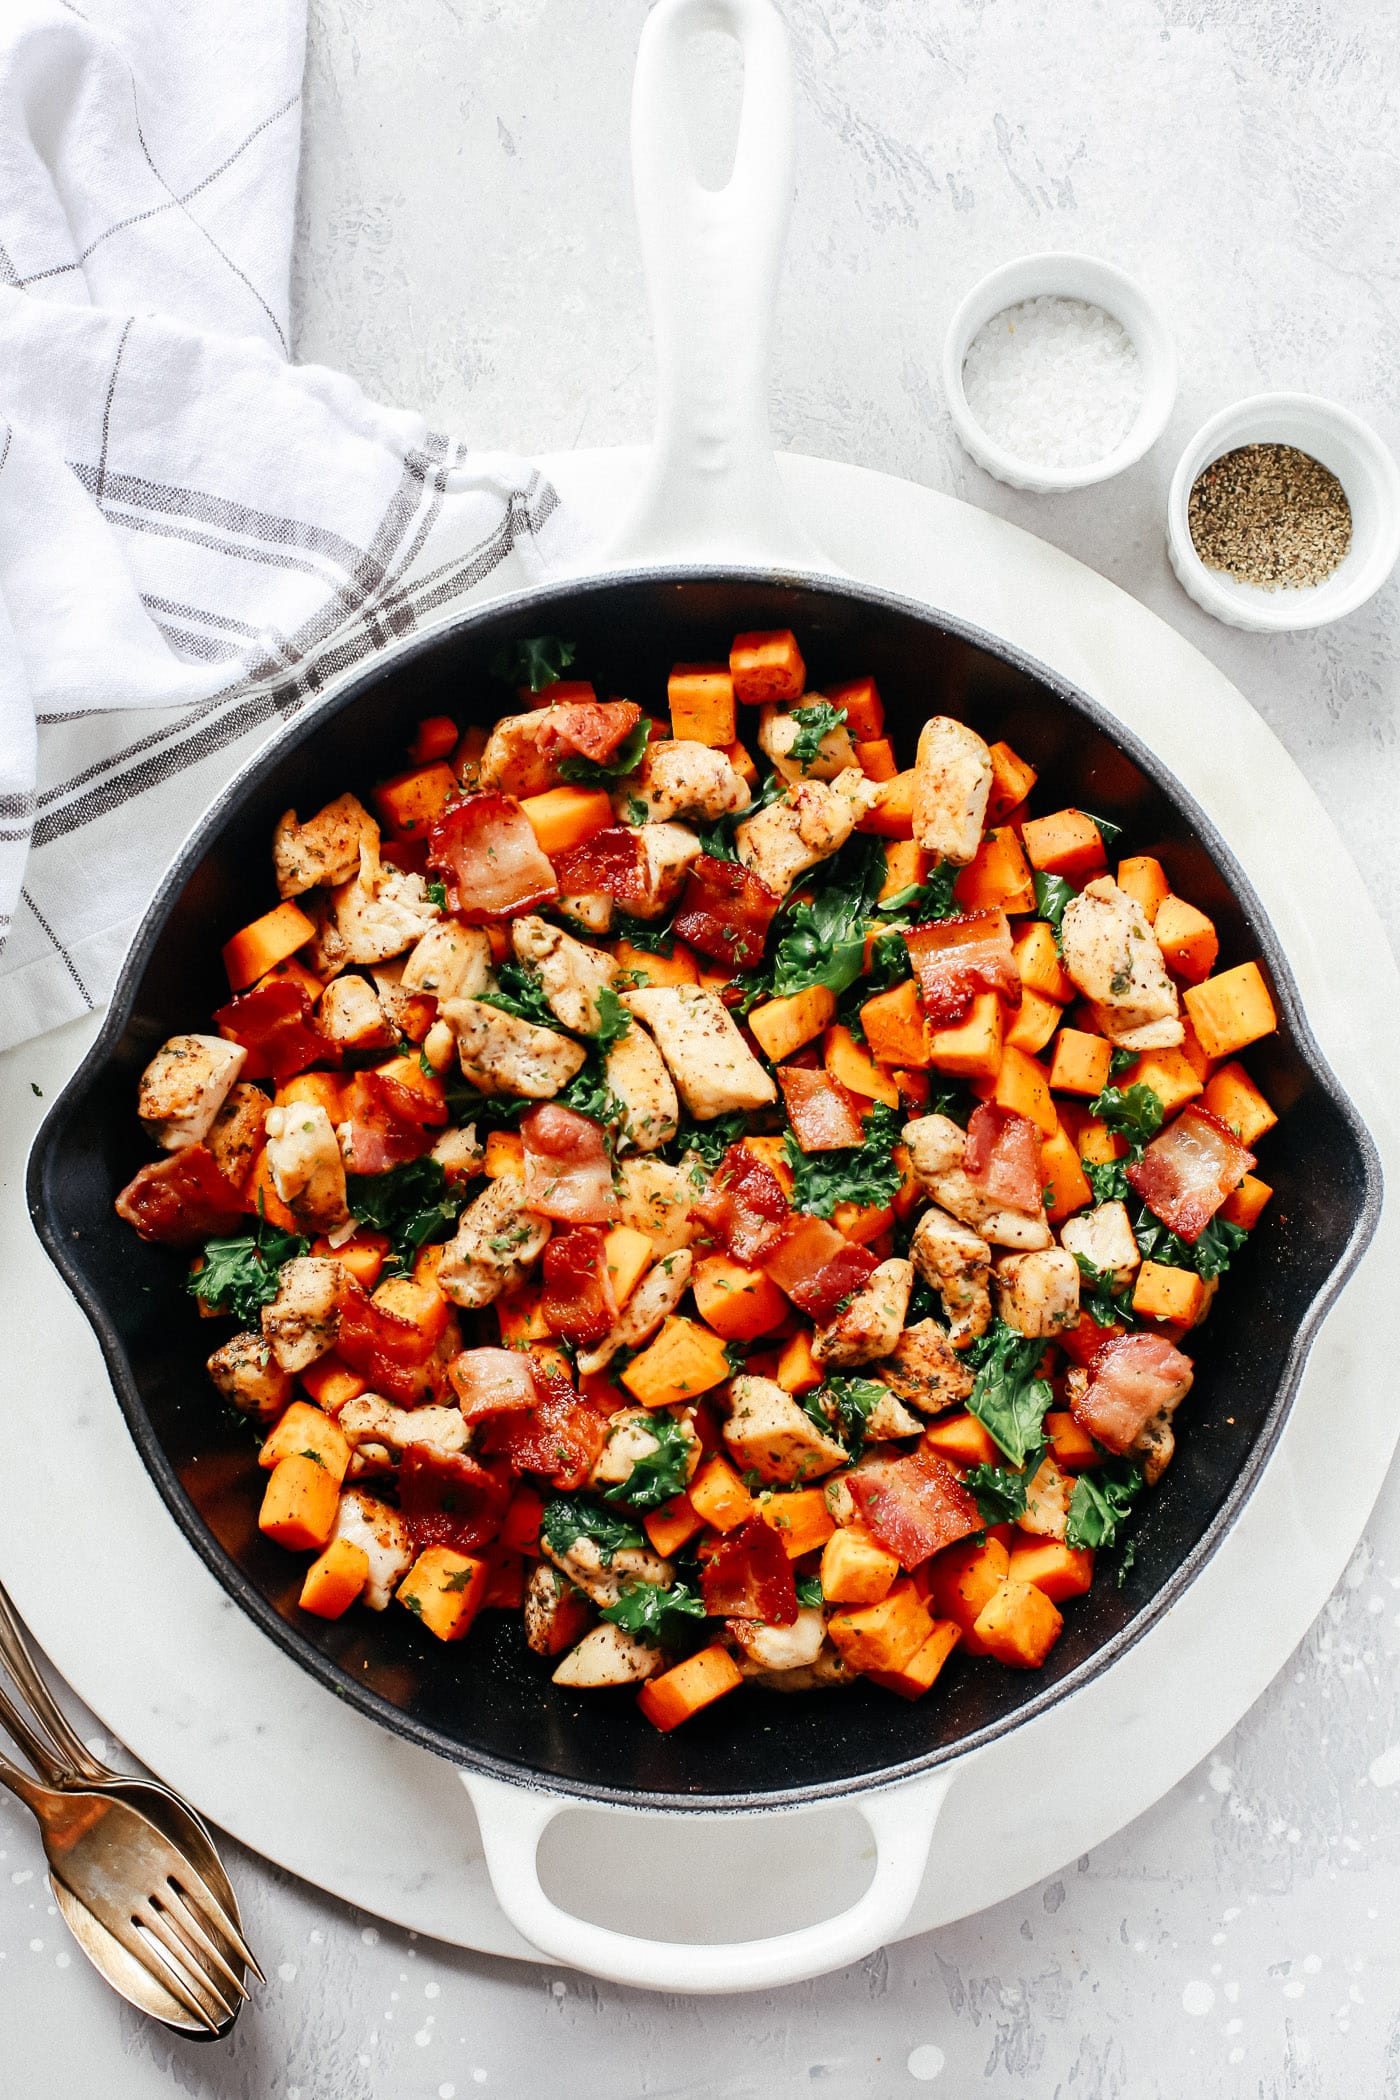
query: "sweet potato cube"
1165, 1293
742, 763
1019, 1625
701, 700
962, 1439
847, 1061
691, 1685
1244, 1205
971, 1050
558, 694
1145, 881
1071, 1447
322, 1089
802, 1519
505, 1154
856, 1568
412, 801
1023, 1085
1232, 1095
906, 866
332, 1383
1064, 1177
672, 1525
435, 737
1012, 781
767, 666
861, 1223
893, 815
363, 1258
335, 1579
521, 1317
959, 1581
922, 1668
1187, 939
1068, 843
1081, 1063
1171, 1076
738, 1302
1098, 1145
259, 947
865, 711
1055, 1569
294, 971
445, 1590
300, 1504
679, 967
1033, 1023
876, 759
996, 875
565, 816
798, 1370
422, 1305
781, 1026
719, 1497
882, 1636
1038, 961
305, 1429
627, 1253
1232, 1010
895, 1030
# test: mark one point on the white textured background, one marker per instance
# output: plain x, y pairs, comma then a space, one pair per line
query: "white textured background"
465, 246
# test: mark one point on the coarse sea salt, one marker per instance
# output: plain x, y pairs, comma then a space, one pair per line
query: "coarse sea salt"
1056, 382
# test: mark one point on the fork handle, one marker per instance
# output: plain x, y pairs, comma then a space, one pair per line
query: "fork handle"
72, 1755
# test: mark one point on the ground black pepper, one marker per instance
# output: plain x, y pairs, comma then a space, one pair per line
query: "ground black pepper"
1270, 515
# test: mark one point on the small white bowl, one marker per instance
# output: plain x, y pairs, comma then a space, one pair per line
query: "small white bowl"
1339, 441
1062, 277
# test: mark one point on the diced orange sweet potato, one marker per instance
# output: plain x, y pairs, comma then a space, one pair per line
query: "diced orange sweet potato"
335, 1579
972, 1049
408, 1072
1232, 1010
1232, 1095
1033, 1023
1064, 1177
521, 1317
865, 711
332, 1383
1171, 1076
781, 1026
505, 1154
413, 801
882, 1636
921, 1670
1244, 1205
876, 759
559, 694
1191, 1050
1187, 938
894, 1025
627, 1253
1058, 1571
1038, 960
684, 1690
1098, 1145
738, 1302
322, 1089
263, 1199
959, 1581
1145, 881
445, 1590
742, 763
505, 1584
719, 1496
307, 1429
679, 967
1071, 1447
1068, 843
1023, 1085
846, 1060
422, 1305
565, 816
961, 1438
1019, 1625
1165, 1293
1081, 1063
767, 666
801, 1519
798, 1370
294, 971
856, 1568
299, 1507
861, 1223
906, 866
435, 737
466, 759
364, 1258
893, 815
701, 700
259, 947
996, 875
672, 1525
684, 1361
520, 1528
1012, 781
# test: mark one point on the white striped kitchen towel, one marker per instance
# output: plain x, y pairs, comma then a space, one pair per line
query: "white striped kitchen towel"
194, 531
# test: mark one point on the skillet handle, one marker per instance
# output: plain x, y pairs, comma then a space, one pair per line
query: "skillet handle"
712, 257
513, 1819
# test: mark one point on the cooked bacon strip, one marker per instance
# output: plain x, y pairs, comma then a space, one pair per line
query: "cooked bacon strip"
561, 1436
391, 1353
450, 1500
1186, 1174
744, 1207
578, 1300
612, 863
1002, 1157
825, 1116
955, 958
273, 1024
915, 1506
726, 912
181, 1199
749, 1576
491, 1382
386, 1125
1132, 1379
817, 1268
593, 728
568, 1172
486, 847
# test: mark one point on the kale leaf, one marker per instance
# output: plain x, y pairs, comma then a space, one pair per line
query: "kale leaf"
521, 994
1000, 1494
1052, 894
613, 1020
437, 894
570, 1517
647, 934
822, 941
865, 1173
717, 839
239, 1275
412, 1203
816, 722
660, 1476
1107, 830
663, 1617
588, 1093
1008, 1396
713, 1139
1135, 1114
1209, 1257
1099, 1504
1100, 1300
843, 1406
606, 772
921, 901
536, 663
809, 1591
1108, 1179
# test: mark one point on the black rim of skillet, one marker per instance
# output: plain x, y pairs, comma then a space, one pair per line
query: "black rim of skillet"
502, 613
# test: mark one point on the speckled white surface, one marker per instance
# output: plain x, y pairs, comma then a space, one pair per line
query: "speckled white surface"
466, 245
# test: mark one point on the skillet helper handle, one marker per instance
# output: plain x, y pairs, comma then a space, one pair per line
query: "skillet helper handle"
712, 257
513, 1820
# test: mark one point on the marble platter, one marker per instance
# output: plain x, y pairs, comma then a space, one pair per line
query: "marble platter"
141, 1628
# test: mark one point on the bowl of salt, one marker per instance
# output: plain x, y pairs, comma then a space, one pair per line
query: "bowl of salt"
1059, 372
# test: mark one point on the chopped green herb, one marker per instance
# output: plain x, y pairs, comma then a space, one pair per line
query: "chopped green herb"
412, 1204
457, 1580
521, 994
660, 1476
568, 1518
1107, 830
1120, 1061
637, 811
1052, 894
437, 894
1009, 1397
1108, 1180
845, 1405
816, 722
36, 1089
823, 941
1100, 1502
651, 936
1000, 1494
1210, 1256
662, 1616
613, 1020
1135, 1115
1104, 1304
713, 1139
537, 663
605, 772
239, 1275
866, 1173
809, 1592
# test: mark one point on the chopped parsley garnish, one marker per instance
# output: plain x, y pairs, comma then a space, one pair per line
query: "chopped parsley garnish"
866, 1173
1099, 1504
239, 1275
809, 1591
660, 1476
537, 663
1120, 1061
1209, 1257
815, 722
437, 894
1009, 1397
1134, 1114
844, 1406
662, 1616
568, 1518
411, 1203
605, 772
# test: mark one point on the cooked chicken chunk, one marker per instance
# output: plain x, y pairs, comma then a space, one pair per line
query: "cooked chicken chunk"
451, 961
503, 1055
709, 1060
956, 1261
632, 1438
889, 1417
952, 780
184, 1086
348, 1013
1039, 1293
814, 819
638, 1078
247, 1373
769, 1433
380, 916
591, 911
873, 1321
659, 1293
925, 1370
1112, 955
1105, 1238
668, 851
325, 953
323, 851
936, 1153
496, 1242
236, 1133
380, 1433
1047, 1502
513, 761
547, 1595
656, 1198
383, 1536
571, 973
608, 1656
304, 1158
303, 1320
601, 1580
794, 1647
778, 731
459, 1153
829, 1671
680, 778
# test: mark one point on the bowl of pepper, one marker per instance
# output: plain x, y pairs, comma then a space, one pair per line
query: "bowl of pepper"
1284, 513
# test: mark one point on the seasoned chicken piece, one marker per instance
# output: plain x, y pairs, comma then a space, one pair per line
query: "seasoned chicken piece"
325, 953
496, 1242
1039, 1293
956, 1261
236, 1133
512, 760
659, 1293
349, 1014
680, 778
323, 851
380, 1433
778, 731
591, 910
890, 1418
925, 1370
304, 1158
303, 1320
571, 973
602, 1580
709, 1060
638, 1078
184, 1086
459, 1153
451, 961
1112, 955
667, 853
873, 1321
547, 1597
1105, 1238
383, 1536
829, 1671
794, 1647
656, 1198
608, 1656
768, 1432
1047, 1501
503, 1055
632, 1438
936, 1154
248, 1374
440, 1048
952, 780
814, 819
380, 917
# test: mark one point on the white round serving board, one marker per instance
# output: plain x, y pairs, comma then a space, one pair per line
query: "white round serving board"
140, 1627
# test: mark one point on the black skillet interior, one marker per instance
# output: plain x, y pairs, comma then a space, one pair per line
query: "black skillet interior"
487, 1702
